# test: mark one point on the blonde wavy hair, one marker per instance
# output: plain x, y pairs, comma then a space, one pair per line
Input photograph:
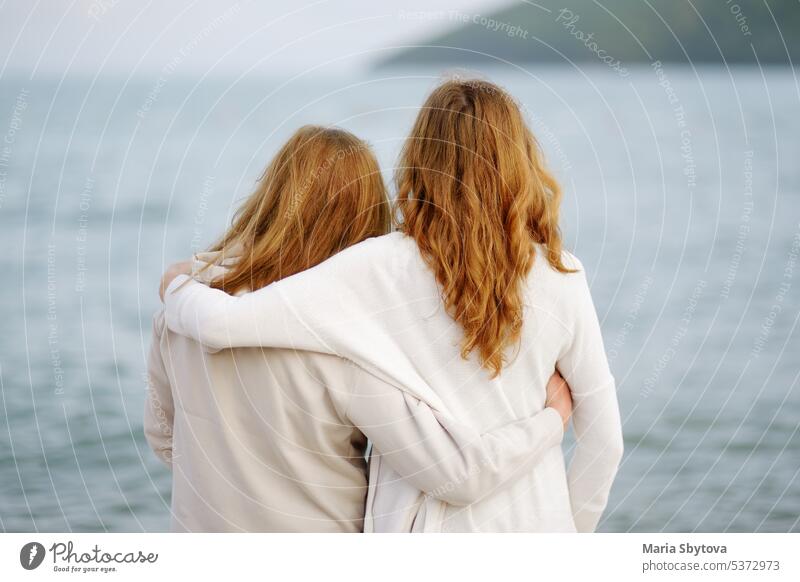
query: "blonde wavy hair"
474, 193
321, 193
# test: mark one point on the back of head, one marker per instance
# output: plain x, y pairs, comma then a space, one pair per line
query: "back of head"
475, 195
321, 193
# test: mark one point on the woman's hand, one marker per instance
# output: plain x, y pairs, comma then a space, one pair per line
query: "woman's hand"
559, 397
175, 269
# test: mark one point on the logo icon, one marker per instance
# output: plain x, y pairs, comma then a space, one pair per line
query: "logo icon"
31, 555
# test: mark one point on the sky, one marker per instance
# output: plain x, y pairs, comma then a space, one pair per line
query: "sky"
48, 37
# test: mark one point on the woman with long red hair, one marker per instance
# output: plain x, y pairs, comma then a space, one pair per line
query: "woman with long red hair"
470, 305
275, 440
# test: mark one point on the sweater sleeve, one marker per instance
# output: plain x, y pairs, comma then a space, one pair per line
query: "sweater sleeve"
329, 308
339, 307
596, 418
440, 456
219, 320
159, 409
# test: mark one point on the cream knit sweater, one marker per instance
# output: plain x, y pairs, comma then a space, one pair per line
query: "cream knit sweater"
379, 305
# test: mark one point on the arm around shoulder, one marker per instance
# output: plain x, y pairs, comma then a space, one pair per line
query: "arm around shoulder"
441, 456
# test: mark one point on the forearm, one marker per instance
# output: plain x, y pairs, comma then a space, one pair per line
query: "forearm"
597, 455
219, 320
314, 310
479, 465
443, 457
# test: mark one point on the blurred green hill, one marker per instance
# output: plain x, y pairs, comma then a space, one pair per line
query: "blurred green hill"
625, 31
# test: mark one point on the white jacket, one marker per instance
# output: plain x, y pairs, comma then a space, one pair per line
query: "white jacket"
379, 305
274, 439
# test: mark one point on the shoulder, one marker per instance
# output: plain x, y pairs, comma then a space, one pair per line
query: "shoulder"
367, 258
559, 291
570, 261
379, 247
542, 266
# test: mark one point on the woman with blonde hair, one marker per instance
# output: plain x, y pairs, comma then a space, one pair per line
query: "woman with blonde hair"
472, 305
275, 440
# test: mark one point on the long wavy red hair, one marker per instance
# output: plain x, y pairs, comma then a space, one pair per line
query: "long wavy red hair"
474, 193
322, 193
